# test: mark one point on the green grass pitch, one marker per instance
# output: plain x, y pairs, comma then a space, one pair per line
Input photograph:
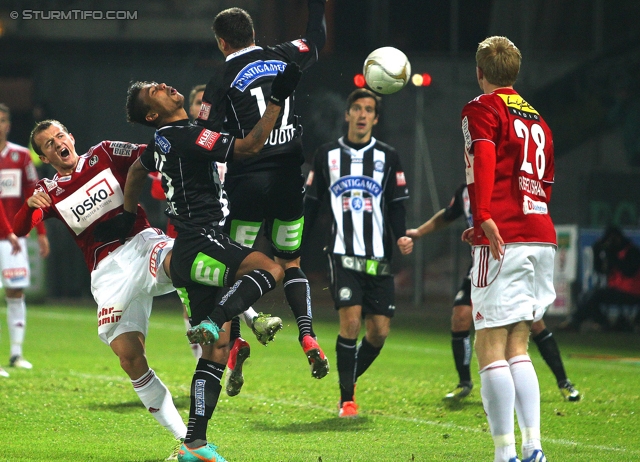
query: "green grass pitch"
78, 405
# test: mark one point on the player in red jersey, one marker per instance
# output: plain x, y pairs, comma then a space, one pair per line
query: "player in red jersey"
85, 191
510, 170
18, 177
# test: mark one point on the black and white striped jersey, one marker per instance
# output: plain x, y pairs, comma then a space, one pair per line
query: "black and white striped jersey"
361, 182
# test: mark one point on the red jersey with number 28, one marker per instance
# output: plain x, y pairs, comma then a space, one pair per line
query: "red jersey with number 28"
511, 181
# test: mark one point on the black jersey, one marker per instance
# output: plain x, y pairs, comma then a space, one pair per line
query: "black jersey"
186, 156
235, 98
459, 205
360, 183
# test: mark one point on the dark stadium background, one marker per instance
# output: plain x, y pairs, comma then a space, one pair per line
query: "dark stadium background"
580, 70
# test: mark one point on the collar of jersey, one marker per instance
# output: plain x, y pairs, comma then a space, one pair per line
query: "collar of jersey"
243, 51
356, 147
179, 123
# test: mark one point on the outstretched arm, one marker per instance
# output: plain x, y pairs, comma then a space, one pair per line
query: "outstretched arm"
434, 223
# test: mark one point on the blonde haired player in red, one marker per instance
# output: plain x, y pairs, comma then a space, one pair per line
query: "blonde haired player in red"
18, 178
510, 170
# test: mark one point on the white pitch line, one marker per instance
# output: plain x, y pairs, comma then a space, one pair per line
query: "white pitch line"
561, 442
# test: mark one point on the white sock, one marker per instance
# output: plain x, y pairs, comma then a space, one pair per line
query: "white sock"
527, 402
17, 321
248, 316
196, 349
156, 397
498, 397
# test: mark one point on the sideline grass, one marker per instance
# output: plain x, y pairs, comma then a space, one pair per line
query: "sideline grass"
78, 405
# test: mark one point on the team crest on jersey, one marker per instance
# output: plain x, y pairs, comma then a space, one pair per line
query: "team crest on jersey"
162, 142
15, 156
301, 46
334, 165
256, 70
49, 184
207, 139
121, 149
400, 179
93, 161
378, 166
205, 110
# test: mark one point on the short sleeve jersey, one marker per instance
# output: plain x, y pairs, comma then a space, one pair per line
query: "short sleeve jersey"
18, 177
91, 194
359, 183
186, 156
524, 166
235, 99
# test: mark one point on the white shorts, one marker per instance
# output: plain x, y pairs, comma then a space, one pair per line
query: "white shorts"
125, 282
518, 287
14, 268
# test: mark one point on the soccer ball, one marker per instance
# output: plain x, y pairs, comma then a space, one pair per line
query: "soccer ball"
386, 70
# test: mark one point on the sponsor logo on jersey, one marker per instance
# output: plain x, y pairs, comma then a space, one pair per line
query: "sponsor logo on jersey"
536, 207
59, 191
378, 166
301, 46
162, 142
93, 161
256, 70
10, 183
519, 105
156, 252
205, 110
62, 179
344, 293
122, 149
89, 203
49, 184
400, 179
108, 315
207, 139
310, 178
14, 274
357, 183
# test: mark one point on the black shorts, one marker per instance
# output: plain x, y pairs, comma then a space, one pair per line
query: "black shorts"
274, 196
376, 294
463, 297
202, 264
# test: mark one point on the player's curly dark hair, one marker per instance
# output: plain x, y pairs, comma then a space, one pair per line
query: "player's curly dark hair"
39, 128
363, 93
136, 108
234, 26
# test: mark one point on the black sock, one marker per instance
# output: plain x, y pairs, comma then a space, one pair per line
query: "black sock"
346, 353
244, 293
235, 330
365, 356
461, 347
205, 391
298, 293
551, 354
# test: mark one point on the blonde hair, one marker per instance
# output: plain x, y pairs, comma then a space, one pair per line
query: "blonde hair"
499, 59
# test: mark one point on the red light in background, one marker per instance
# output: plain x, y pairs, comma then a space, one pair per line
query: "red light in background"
359, 81
426, 80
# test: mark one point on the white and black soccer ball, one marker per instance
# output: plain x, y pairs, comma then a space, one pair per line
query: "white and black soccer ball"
386, 70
